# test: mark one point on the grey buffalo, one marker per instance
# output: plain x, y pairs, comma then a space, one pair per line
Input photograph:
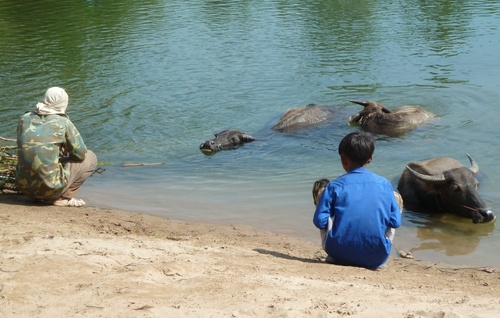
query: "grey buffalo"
376, 118
226, 139
444, 185
303, 117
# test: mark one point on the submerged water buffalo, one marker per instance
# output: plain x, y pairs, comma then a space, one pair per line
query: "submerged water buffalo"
303, 117
444, 185
225, 139
377, 119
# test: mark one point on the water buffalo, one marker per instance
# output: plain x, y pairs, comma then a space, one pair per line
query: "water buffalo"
444, 185
377, 119
303, 117
225, 139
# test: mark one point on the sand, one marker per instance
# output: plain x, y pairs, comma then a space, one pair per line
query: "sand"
95, 262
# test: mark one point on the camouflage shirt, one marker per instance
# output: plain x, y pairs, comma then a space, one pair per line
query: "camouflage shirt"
40, 172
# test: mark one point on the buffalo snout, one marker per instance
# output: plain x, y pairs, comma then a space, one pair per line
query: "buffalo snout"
483, 216
209, 146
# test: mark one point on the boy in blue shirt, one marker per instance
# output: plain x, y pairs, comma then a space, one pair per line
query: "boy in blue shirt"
357, 212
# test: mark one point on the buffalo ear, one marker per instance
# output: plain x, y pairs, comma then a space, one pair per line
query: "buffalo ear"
354, 119
385, 110
235, 140
247, 138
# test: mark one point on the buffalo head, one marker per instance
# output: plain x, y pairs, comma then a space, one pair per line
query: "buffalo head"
443, 184
369, 108
223, 140
377, 119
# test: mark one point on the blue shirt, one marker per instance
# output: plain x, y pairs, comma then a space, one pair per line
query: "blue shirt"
363, 207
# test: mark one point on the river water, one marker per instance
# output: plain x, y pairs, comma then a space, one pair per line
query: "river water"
150, 80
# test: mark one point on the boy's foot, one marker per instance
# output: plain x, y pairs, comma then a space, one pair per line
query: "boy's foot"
74, 202
330, 260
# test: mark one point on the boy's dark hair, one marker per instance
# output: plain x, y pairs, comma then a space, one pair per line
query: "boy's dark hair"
357, 146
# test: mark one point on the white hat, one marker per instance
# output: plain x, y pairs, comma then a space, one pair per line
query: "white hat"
55, 102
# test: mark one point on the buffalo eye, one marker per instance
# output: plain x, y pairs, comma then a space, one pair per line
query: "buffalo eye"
455, 188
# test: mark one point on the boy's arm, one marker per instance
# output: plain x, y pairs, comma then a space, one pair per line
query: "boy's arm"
395, 220
322, 212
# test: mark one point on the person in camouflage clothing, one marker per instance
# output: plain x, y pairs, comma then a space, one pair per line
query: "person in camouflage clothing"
53, 161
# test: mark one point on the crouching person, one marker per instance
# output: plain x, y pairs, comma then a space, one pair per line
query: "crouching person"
53, 161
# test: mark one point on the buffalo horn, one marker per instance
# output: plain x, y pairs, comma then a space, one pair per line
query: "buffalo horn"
359, 102
434, 178
474, 167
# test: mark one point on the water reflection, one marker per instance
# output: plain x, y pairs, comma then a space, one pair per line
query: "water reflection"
448, 234
447, 25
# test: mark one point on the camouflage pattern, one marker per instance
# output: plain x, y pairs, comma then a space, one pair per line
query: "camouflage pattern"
40, 172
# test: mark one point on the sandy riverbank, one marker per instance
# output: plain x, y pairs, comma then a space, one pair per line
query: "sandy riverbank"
93, 262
